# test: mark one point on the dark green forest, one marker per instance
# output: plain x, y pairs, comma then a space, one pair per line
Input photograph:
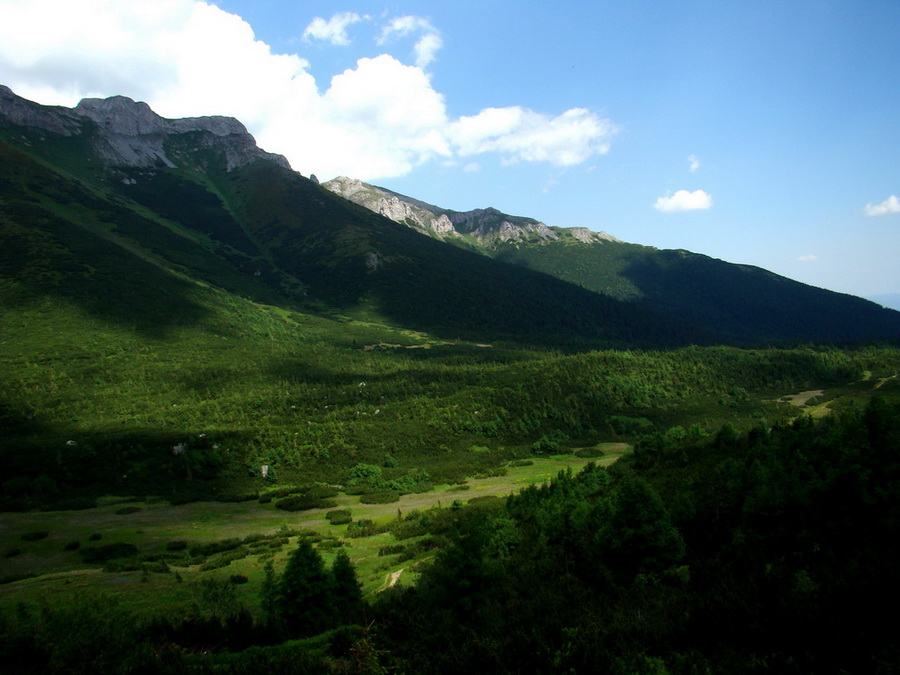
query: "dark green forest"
768, 551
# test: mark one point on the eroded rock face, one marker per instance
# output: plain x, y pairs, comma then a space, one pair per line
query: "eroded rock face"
131, 134
586, 236
390, 205
489, 227
22, 112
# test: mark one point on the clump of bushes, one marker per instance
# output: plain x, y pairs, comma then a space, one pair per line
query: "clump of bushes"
521, 462
550, 442
339, 516
491, 473
176, 545
117, 565
108, 552
72, 546
364, 528
589, 453
304, 503
37, 535
380, 497
213, 547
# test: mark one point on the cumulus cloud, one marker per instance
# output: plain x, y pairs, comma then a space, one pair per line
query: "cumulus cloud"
807, 258
519, 134
334, 30
684, 201
889, 205
693, 163
379, 119
426, 46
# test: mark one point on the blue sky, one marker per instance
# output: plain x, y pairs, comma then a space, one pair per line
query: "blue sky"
757, 132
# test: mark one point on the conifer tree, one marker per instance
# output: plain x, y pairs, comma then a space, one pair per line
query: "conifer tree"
302, 593
346, 593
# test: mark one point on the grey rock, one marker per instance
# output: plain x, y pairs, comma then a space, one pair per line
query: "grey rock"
130, 134
488, 228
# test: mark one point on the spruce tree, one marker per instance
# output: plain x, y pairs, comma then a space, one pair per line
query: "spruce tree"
346, 593
302, 594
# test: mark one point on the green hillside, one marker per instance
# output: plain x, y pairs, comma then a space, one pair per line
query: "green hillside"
249, 426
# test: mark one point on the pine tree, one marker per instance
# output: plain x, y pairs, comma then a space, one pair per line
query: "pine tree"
302, 597
346, 592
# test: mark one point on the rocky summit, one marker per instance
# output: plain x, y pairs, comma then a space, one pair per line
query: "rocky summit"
127, 133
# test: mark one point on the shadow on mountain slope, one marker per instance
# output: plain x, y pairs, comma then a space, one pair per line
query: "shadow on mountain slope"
749, 305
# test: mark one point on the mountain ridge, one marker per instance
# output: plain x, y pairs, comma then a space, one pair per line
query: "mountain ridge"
201, 200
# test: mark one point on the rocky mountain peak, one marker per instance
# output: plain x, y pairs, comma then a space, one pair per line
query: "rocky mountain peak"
121, 115
131, 134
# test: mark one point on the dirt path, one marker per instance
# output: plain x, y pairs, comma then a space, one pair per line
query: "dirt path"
390, 580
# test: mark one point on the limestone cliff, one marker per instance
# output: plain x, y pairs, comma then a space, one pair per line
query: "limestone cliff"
126, 133
486, 228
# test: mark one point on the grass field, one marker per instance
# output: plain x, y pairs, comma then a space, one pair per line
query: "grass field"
54, 574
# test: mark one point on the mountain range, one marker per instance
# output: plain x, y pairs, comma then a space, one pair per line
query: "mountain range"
127, 214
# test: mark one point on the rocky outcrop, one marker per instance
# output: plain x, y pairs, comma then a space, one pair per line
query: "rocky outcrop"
24, 113
417, 215
488, 228
130, 134
587, 236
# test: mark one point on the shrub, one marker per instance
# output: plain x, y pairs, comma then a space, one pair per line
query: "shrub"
588, 453
359, 489
304, 503
320, 492
391, 550
72, 546
339, 516
363, 528
380, 497
103, 554
12, 552
522, 462
122, 565
238, 579
176, 545
95, 537
34, 536
215, 547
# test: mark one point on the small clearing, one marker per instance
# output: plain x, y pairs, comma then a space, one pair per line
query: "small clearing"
802, 398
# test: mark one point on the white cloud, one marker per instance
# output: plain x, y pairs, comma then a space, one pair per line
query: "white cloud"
334, 30
807, 258
426, 46
520, 134
684, 201
693, 163
889, 205
380, 119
